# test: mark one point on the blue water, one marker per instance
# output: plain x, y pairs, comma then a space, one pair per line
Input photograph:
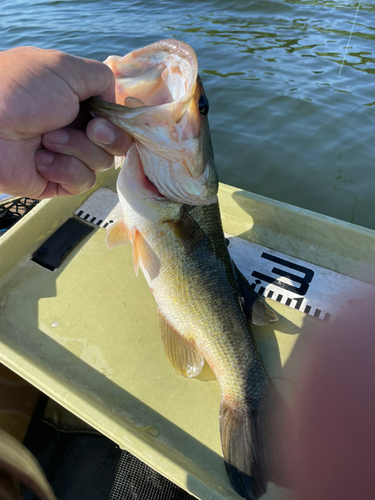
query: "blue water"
285, 123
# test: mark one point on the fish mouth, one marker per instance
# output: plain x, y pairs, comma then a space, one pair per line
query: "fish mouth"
162, 73
157, 91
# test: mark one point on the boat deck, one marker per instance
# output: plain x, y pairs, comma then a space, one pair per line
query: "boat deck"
86, 333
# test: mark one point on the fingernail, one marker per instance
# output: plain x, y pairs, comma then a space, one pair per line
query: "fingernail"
57, 137
44, 158
103, 134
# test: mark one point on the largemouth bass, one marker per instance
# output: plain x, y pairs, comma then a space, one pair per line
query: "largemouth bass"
205, 305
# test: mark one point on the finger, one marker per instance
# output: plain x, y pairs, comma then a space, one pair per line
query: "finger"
53, 189
75, 143
86, 77
109, 137
67, 171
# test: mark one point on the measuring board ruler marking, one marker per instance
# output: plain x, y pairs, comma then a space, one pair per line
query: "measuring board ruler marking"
102, 208
306, 287
297, 284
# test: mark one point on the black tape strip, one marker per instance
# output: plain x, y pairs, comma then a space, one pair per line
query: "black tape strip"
55, 249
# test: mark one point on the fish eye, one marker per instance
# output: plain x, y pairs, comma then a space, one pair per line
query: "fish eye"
203, 105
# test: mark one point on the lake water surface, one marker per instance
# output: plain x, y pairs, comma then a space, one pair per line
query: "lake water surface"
288, 120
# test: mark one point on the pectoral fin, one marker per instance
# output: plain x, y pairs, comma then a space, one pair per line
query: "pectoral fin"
117, 234
181, 352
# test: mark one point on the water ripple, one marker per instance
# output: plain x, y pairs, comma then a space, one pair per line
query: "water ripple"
284, 122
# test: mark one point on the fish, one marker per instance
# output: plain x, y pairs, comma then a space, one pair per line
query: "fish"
205, 305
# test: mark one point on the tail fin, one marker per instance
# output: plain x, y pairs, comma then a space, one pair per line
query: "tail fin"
252, 442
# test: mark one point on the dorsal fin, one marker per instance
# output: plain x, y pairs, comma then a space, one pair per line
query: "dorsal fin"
181, 352
256, 311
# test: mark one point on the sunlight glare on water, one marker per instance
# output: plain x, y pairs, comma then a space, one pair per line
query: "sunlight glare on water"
285, 122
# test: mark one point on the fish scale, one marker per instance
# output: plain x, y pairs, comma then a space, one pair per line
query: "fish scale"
205, 309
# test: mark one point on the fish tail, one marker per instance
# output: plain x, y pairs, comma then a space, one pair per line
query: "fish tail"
252, 442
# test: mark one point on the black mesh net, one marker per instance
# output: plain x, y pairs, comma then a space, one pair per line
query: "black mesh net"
12, 211
84, 464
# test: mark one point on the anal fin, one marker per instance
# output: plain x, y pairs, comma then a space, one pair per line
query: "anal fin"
181, 352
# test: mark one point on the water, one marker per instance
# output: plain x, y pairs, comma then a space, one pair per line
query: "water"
285, 122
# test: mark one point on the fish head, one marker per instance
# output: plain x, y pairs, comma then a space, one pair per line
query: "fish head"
162, 104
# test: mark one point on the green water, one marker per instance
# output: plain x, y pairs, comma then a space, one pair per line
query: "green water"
285, 122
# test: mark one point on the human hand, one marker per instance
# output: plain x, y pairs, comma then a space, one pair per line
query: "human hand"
332, 441
42, 152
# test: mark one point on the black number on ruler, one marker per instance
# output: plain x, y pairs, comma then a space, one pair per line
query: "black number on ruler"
303, 281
